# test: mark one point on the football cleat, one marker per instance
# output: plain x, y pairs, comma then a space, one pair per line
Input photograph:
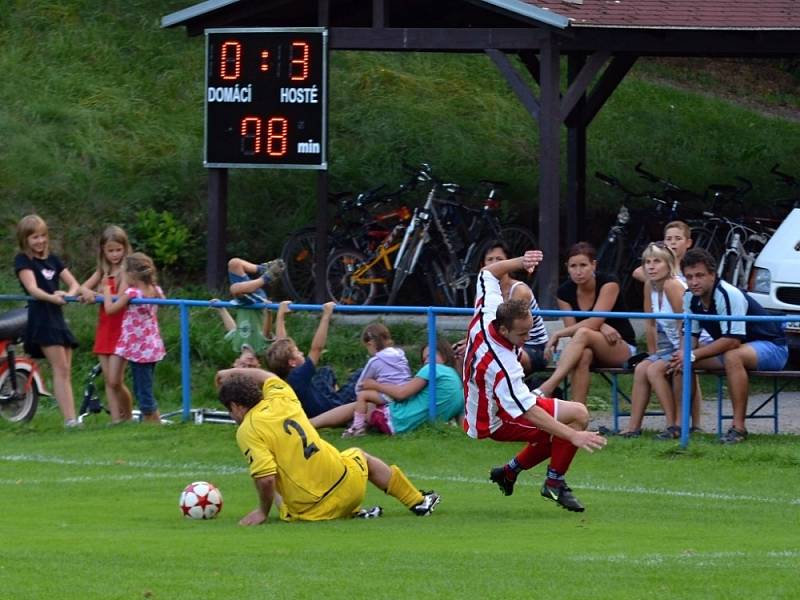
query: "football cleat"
369, 513
498, 476
562, 495
429, 501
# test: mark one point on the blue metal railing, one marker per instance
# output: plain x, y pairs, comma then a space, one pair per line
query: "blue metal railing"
432, 312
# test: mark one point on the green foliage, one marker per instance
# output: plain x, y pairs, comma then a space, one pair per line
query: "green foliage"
167, 240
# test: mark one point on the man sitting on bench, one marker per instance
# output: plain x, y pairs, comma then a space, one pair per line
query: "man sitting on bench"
738, 346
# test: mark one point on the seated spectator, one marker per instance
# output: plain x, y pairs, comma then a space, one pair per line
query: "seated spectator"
678, 238
410, 407
595, 340
663, 294
387, 364
532, 357
315, 386
738, 346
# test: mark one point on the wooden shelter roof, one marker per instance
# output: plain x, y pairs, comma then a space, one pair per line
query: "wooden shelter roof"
677, 14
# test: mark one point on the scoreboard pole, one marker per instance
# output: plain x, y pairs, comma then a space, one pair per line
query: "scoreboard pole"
217, 229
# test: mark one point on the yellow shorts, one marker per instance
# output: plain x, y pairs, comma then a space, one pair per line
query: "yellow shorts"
345, 499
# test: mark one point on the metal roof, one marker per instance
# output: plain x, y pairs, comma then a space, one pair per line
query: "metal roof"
196, 10
756, 15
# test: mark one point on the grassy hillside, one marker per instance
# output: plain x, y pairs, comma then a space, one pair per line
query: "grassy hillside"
101, 117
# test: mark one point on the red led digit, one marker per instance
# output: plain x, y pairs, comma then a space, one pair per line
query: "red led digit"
230, 60
299, 66
251, 135
277, 128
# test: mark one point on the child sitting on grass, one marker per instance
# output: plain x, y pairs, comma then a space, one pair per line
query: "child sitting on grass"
411, 405
387, 365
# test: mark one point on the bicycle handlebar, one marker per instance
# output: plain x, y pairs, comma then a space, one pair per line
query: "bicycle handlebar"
785, 177
643, 173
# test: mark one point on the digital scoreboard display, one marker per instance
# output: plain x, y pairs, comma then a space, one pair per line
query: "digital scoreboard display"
266, 100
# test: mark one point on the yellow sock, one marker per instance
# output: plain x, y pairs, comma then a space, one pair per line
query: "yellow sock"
402, 489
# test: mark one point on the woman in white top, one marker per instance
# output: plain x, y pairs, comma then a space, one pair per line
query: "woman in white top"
663, 294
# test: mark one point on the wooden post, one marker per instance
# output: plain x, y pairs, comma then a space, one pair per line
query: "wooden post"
576, 162
321, 242
216, 263
549, 172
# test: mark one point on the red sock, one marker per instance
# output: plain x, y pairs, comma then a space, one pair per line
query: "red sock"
532, 454
563, 453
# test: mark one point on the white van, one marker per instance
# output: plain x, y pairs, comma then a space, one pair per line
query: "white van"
775, 279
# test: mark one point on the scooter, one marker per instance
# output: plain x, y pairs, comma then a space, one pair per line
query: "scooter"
21, 382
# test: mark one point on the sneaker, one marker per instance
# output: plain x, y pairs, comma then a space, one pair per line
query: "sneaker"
271, 270
734, 436
562, 495
369, 513
498, 476
430, 500
354, 431
633, 433
673, 432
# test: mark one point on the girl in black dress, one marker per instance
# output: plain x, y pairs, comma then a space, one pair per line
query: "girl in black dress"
47, 335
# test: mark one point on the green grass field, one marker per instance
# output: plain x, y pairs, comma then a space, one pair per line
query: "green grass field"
93, 514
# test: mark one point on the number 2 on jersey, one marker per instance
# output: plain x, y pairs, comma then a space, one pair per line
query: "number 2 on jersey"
308, 449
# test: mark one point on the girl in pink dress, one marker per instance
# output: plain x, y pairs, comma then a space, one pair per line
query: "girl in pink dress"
113, 249
140, 339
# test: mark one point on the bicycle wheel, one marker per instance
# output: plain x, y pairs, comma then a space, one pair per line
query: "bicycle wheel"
732, 270
518, 239
705, 239
403, 268
340, 283
298, 255
442, 293
22, 406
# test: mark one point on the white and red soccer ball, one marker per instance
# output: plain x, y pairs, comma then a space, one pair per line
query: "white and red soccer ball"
200, 500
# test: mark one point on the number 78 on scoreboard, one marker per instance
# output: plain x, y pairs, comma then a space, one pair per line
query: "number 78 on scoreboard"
266, 98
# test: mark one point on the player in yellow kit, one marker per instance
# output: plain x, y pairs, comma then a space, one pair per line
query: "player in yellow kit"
293, 467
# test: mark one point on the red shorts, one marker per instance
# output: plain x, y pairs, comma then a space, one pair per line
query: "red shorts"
381, 419
522, 430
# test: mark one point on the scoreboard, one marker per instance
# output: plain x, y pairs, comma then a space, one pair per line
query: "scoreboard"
266, 98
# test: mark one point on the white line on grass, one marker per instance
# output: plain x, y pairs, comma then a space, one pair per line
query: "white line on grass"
217, 469
690, 558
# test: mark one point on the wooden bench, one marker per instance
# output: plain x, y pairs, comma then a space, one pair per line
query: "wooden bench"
780, 380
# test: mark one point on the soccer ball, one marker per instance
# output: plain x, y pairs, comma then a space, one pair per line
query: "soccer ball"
200, 500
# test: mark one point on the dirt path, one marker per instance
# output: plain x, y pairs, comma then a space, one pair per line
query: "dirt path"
788, 416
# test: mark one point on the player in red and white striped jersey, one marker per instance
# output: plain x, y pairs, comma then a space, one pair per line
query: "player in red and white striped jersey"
498, 403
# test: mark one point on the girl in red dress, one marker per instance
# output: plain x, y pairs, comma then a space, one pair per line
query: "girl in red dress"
112, 251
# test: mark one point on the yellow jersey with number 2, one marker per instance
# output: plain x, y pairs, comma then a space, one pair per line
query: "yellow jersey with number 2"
314, 479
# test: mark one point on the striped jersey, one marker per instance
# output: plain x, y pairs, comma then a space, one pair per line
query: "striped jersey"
494, 389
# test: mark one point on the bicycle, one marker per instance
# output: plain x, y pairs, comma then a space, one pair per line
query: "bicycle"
353, 278
354, 226
786, 204
454, 237
20, 380
621, 251
743, 244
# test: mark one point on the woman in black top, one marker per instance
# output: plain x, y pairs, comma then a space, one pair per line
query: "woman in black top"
594, 340
47, 336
